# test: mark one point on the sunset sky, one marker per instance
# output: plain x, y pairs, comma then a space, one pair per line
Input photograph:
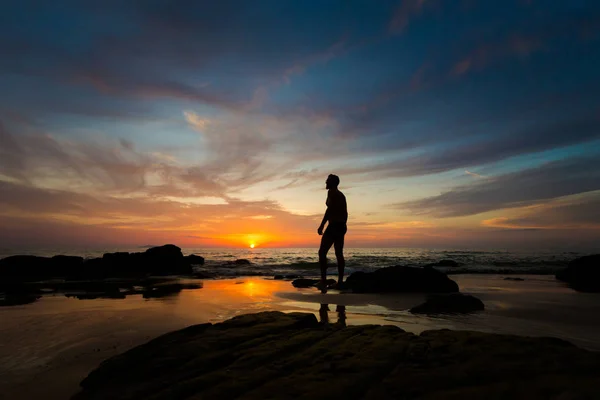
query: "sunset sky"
451, 123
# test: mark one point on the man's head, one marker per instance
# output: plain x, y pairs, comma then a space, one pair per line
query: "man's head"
332, 182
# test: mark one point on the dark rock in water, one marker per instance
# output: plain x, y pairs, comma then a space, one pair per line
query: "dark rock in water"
278, 277
166, 260
306, 283
66, 265
31, 268
17, 299
168, 251
401, 279
242, 261
451, 303
444, 263
25, 267
193, 259
162, 260
582, 274
513, 279
274, 355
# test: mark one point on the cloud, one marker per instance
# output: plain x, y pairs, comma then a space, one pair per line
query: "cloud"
11, 155
570, 212
473, 174
224, 224
480, 151
53, 162
405, 12
527, 40
519, 189
489, 53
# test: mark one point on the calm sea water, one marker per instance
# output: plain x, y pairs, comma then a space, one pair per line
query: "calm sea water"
303, 261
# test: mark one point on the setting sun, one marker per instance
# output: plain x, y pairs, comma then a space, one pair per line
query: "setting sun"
251, 245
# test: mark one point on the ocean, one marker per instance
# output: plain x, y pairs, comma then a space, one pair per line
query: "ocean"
304, 261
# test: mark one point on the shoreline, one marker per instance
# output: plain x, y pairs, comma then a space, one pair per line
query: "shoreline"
78, 334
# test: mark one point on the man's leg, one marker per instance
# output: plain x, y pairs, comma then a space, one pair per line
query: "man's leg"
326, 242
338, 245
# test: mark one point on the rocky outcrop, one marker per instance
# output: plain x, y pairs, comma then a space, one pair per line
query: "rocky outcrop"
17, 299
582, 274
162, 260
32, 267
402, 280
453, 303
273, 355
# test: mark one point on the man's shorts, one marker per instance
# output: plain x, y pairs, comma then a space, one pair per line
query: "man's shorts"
336, 230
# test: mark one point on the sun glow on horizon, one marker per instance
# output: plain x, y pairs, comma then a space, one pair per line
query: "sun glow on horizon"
252, 245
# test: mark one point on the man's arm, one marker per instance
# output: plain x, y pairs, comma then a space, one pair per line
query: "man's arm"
325, 218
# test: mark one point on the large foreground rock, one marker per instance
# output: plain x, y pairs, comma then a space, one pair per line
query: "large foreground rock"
272, 355
401, 279
582, 274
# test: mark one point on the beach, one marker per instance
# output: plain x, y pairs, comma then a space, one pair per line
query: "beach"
48, 347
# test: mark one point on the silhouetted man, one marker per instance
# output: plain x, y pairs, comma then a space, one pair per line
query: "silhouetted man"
337, 215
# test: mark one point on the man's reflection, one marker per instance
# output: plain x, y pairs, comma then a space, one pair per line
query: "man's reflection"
324, 314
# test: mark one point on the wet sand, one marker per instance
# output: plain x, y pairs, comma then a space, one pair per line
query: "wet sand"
48, 347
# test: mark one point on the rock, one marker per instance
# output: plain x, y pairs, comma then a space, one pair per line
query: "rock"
242, 261
25, 268
401, 279
306, 283
514, 279
274, 355
167, 251
193, 259
166, 260
452, 303
582, 274
444, 263
162, 260
66, 265
278, 277
17, 299
31, 268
